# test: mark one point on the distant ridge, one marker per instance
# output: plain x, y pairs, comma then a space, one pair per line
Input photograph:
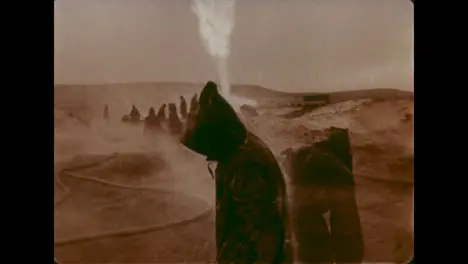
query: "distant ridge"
249, 91
239, 89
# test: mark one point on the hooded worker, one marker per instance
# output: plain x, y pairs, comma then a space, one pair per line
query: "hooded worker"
174, 124
194, 103
251, 224
135, 114
183, 107
152, 122
162, 113
322, 182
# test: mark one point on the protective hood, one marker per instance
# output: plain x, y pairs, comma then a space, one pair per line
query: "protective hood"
162, 112
213, 128
151, 112
175, 125
183, 107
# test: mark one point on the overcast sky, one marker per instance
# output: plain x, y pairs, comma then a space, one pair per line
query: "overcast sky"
293, 45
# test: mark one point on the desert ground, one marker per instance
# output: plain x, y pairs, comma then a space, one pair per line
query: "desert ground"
122, 197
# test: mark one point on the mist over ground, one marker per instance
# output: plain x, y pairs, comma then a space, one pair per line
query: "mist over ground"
148, 199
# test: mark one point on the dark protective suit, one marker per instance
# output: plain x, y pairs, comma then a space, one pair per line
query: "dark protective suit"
135, 114
162, 113
251, 225
174, 124
322, 181
194, 103
183, 107
152, 122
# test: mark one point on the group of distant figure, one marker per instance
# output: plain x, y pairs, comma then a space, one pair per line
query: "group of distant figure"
158, 122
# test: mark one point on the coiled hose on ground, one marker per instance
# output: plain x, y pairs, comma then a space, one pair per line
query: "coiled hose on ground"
72, 172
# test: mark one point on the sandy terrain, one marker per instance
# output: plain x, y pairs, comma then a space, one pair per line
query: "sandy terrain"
121, 197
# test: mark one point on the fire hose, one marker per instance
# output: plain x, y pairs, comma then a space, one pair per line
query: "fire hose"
70, 172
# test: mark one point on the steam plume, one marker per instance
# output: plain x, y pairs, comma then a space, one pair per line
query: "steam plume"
215, 24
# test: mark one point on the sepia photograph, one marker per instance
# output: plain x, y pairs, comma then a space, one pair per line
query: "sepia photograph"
233, 131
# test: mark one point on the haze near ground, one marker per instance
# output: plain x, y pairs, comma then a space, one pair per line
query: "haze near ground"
121, 197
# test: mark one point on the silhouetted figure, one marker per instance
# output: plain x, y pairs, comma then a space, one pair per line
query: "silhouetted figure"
133, 118
135, 114
151, 122
175, 126
322, 182
194, 103
162, 113
251, 225
106, 112
183, 107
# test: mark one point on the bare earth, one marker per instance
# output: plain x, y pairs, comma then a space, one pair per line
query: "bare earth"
123, 198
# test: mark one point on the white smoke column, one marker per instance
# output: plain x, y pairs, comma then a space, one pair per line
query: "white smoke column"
216, 22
